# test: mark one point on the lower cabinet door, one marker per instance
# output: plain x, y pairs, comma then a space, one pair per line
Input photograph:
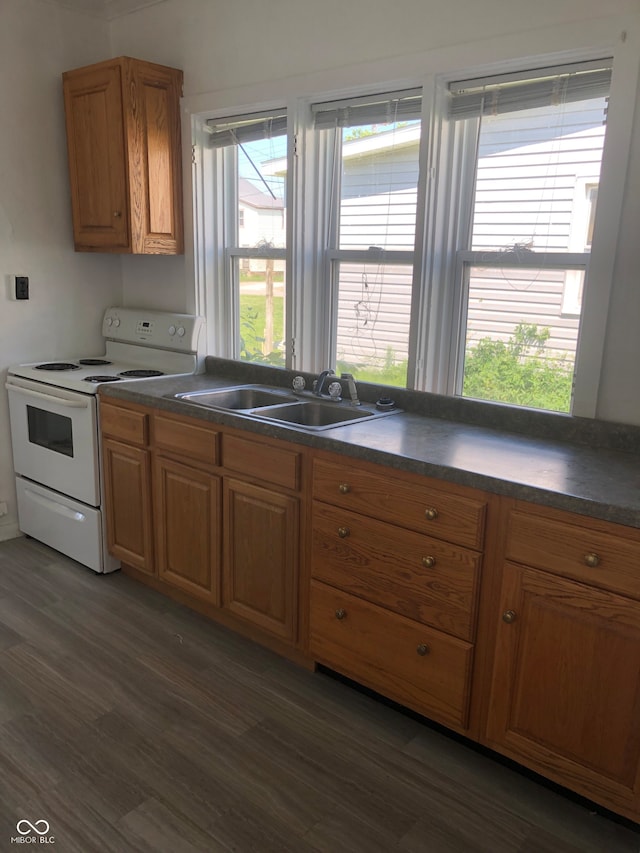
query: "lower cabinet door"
127, 483
410, 663
565, 693
261, 553
187, 510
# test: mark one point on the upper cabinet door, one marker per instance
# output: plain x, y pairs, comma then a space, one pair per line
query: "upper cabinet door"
152, 129
123, 132
97, 165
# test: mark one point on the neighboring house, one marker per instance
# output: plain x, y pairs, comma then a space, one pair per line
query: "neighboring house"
535, 189
261, 219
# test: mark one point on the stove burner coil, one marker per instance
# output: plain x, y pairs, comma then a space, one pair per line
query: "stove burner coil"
57, 365
102, 379
142, 374
93, 361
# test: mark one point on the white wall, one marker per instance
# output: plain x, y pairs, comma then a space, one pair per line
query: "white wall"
69, 292
238, 53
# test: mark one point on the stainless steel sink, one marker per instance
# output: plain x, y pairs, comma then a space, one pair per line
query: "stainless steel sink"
242, 397
312, 415
277, 405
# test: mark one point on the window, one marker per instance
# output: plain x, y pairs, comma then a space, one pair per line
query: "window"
521, 267
440, 237
250, 205
370, 230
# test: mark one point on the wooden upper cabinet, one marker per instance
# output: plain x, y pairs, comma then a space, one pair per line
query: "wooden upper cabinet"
125, 167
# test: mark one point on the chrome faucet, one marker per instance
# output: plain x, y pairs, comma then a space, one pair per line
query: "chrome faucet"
353, 391
319, 383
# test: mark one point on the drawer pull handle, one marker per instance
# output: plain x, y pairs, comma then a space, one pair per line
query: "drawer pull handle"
431, 514
343, 532
423, 649
509, 616
592, 560
428, 562
117, 214
344, 488
340, 614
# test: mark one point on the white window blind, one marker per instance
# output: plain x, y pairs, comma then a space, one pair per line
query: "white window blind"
384, 108
540, 87
246, 128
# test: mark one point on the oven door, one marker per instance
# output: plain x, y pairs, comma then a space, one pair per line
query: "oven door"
55, 438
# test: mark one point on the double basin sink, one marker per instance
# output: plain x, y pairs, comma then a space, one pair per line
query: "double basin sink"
280, 406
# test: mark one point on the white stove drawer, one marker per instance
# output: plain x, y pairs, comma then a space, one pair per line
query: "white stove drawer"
71, 527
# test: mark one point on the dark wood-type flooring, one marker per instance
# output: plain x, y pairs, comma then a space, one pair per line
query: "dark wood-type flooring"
129, 723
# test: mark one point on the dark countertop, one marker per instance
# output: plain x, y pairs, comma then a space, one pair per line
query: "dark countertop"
589, 474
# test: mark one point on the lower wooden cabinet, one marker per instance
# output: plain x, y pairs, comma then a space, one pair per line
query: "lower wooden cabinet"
395, 585
127, 483
565, 694
519, 627
413, 664
210, 512
261, 556
188, 528
417, 576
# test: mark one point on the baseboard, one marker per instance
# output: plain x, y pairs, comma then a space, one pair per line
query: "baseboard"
9, 531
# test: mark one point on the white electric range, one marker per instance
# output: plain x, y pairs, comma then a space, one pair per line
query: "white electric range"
54, 425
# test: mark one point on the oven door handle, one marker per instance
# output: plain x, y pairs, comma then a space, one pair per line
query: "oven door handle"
50, 398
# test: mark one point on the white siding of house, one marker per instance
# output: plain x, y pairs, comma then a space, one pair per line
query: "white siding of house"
373, 313
500, 299
530, 191
378, 206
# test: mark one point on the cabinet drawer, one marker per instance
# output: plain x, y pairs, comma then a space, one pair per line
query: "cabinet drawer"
188, 438
411, 502
408, 662
607, 559
130, 425
261, 460
418, 576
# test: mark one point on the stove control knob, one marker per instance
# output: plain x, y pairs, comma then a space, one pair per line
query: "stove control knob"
181, 331
116, 322
109, 321
172, 330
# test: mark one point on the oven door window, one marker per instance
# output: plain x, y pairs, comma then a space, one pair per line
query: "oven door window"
50, 430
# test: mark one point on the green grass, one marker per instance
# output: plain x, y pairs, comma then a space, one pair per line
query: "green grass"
252, 326
394, 375
260, 276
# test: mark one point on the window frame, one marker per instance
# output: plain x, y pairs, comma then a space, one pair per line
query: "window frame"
219, 292
440, 206
329, 171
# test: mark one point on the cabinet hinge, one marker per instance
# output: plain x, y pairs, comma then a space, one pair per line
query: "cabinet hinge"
295, 145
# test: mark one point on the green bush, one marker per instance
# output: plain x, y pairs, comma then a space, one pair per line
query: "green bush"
518, 372
252, 324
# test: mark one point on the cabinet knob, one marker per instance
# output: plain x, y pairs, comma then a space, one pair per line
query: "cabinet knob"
509, 616
592, 560
343, 532
344, 488
428, 562
117, 214
423, 649
341, 614
431, 513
